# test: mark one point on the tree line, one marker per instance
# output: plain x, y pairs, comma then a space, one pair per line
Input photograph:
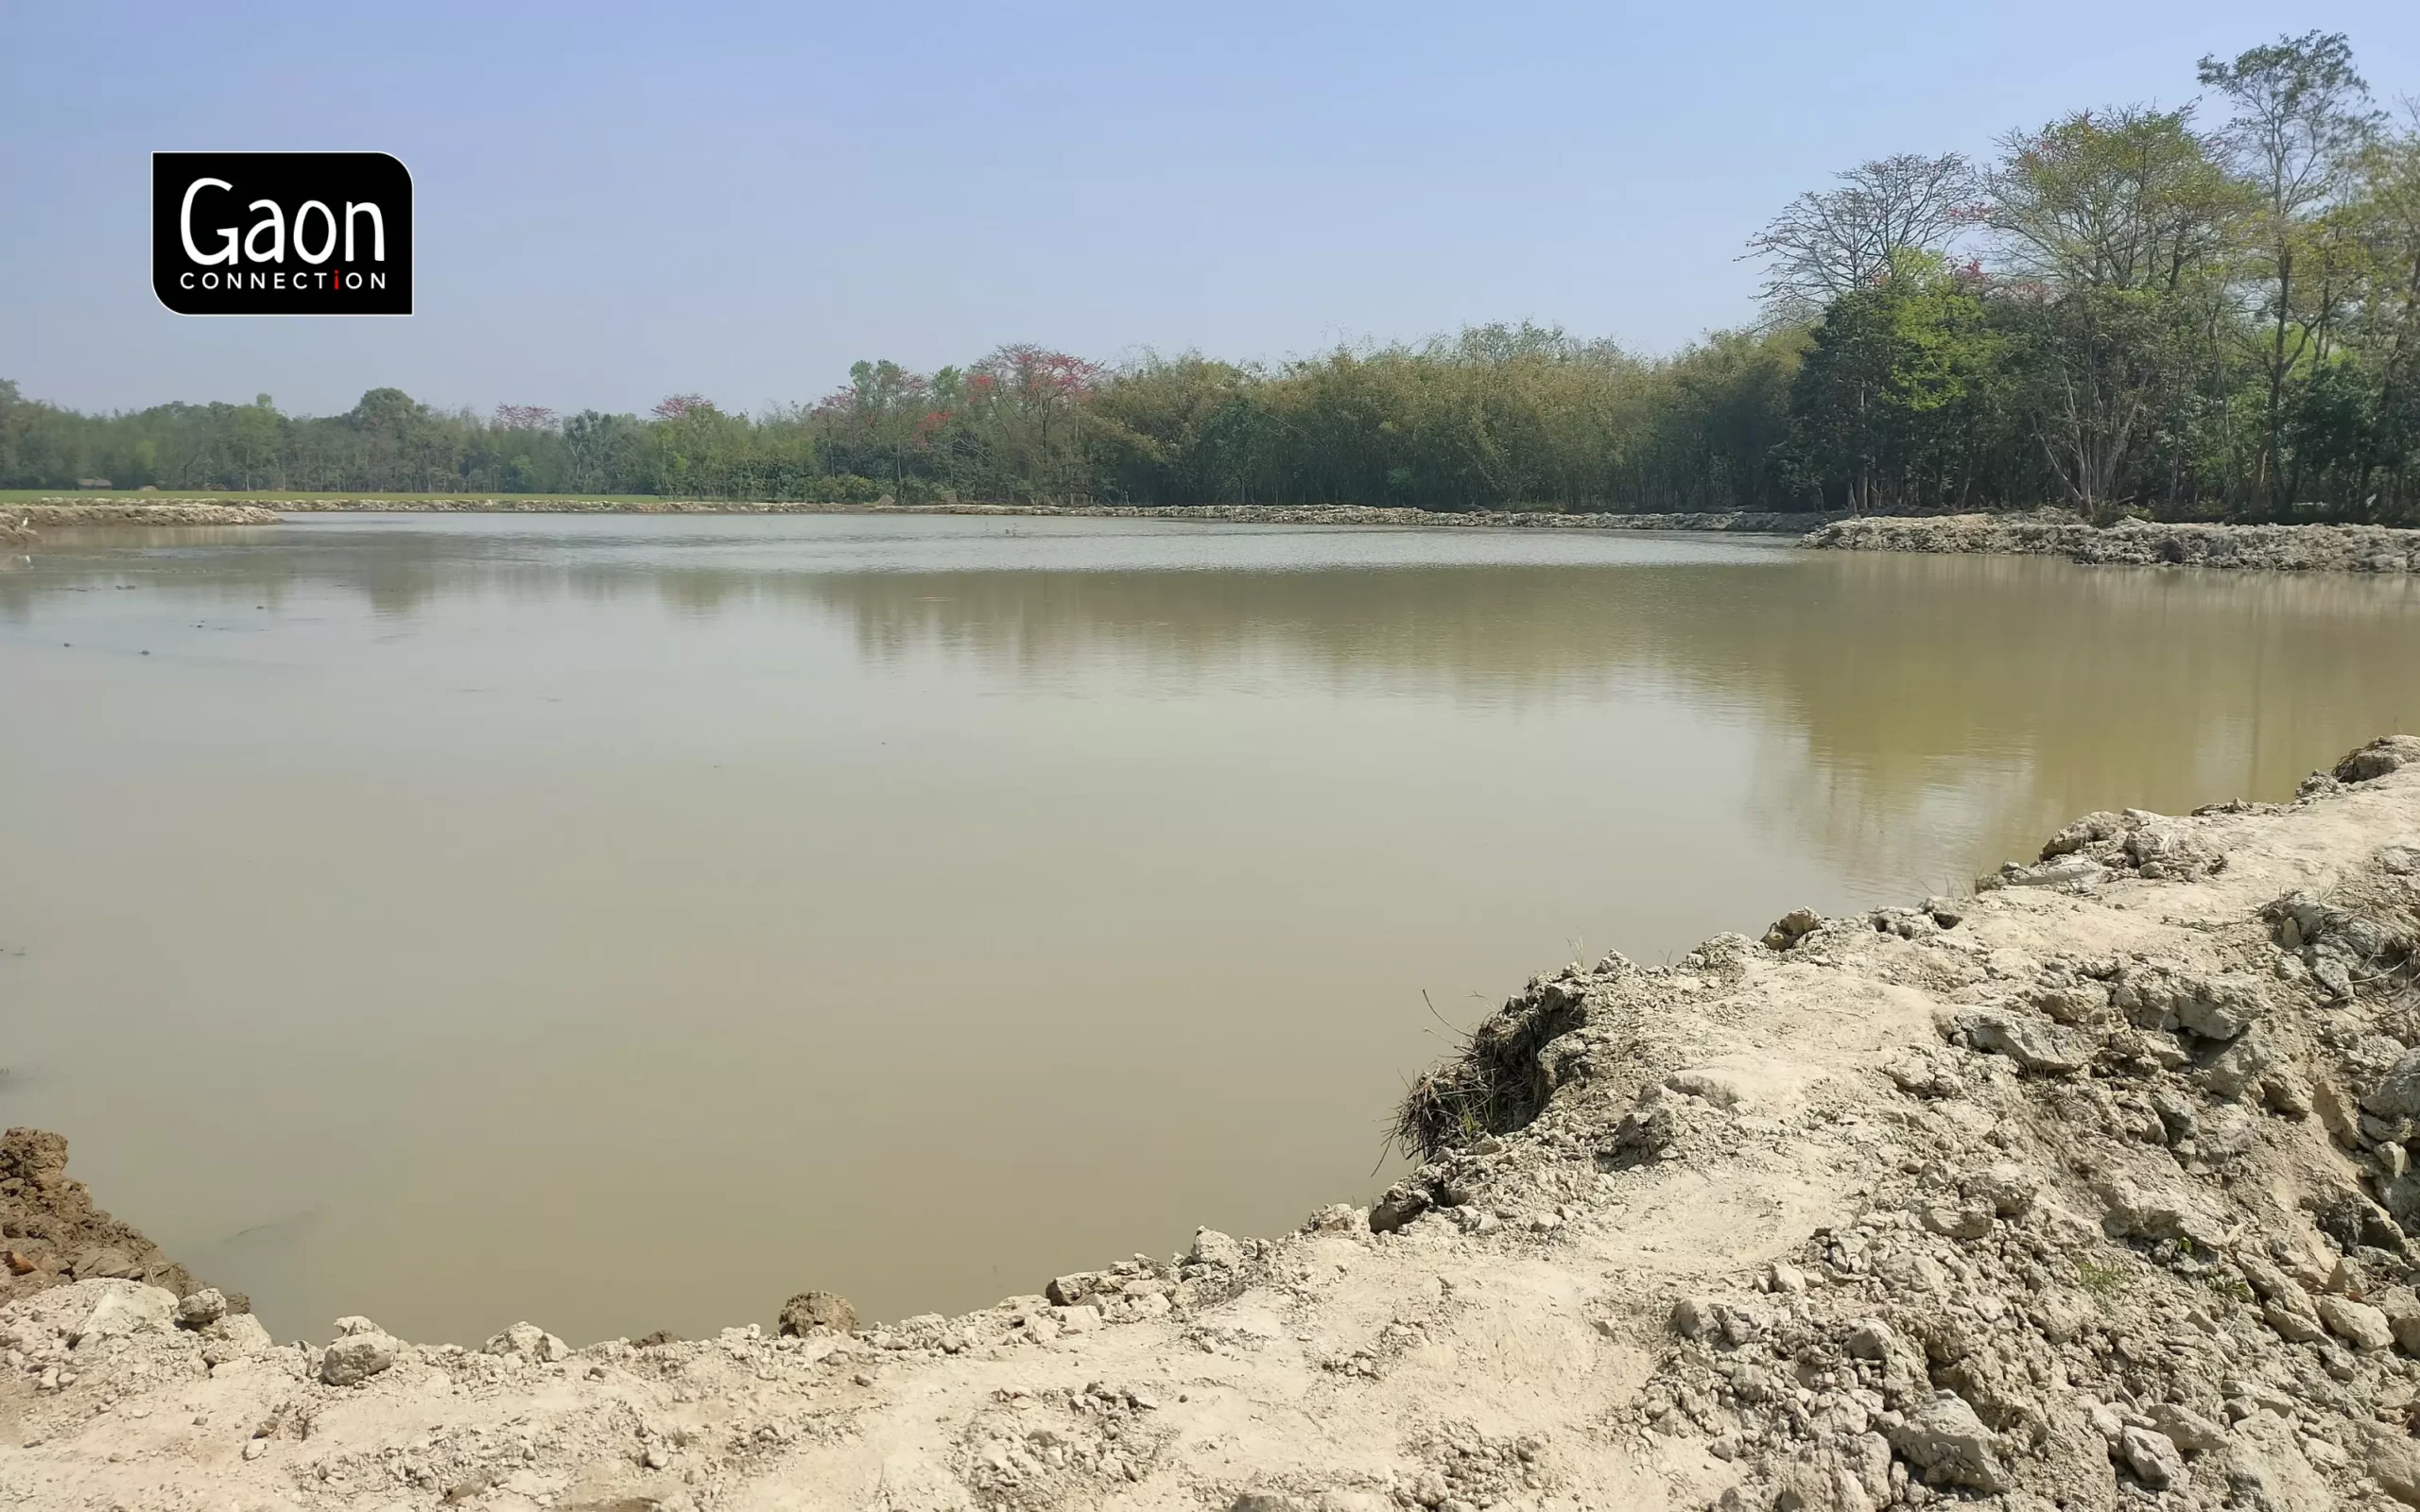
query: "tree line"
2131, 309
2204, 311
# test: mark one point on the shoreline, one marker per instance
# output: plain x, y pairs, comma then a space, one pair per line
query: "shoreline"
28, 521
2132, 543
170, 511
2090, 1186
2376, 549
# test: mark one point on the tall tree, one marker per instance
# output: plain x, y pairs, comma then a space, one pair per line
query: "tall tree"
2111, 234
2371, 388
1887, 409
2302, 115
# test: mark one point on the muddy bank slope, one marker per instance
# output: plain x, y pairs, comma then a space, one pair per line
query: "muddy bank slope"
52, 1234
2139, 543
22, 526
2090, 1190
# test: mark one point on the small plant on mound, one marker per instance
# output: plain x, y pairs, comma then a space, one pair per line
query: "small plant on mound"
2103, 1283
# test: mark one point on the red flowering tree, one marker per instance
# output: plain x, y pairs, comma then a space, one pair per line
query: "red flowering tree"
1033, 401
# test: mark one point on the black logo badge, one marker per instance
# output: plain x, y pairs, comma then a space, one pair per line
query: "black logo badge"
282, 233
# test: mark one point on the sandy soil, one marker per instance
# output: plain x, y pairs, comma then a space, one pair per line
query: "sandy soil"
2087, 1191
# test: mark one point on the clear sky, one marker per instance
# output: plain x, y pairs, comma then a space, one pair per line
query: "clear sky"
617, 202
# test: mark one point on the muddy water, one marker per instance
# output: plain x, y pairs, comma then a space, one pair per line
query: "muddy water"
623, 924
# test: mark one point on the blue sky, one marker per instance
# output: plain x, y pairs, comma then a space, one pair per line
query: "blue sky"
616, 202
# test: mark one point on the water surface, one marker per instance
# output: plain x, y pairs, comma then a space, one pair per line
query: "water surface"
624, 922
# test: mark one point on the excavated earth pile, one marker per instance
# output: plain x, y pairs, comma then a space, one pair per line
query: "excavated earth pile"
2093, 1189
2134, 542
51, 1233
32, 517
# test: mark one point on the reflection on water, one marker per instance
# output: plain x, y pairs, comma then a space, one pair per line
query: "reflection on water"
624, 922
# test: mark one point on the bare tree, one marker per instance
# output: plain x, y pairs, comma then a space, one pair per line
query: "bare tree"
1825, 244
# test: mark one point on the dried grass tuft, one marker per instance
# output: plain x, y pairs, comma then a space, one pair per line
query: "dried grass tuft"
1494, 1084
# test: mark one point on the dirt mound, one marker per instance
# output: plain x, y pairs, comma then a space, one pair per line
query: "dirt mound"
51, 1233
2135, 542
145, 512
2096, 1189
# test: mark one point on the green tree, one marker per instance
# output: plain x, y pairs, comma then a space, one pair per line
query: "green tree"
2113, 237
1894, 396
2301, 119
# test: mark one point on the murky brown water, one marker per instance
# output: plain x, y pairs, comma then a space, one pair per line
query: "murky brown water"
623, 924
